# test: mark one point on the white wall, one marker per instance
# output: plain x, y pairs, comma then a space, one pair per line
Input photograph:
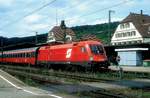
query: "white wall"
51, 37
127, 38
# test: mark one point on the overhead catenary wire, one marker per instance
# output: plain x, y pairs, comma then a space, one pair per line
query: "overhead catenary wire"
68, 9
28, 14
99, 10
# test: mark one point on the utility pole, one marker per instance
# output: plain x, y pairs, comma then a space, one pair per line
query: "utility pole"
56, 17
36, 40
109, 24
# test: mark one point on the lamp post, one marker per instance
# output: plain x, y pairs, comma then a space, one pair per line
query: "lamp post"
36, 38
109, 24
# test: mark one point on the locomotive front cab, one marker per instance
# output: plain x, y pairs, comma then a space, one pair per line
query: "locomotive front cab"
98, 56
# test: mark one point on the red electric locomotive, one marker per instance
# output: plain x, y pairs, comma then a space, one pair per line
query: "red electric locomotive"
84, 53
88, 54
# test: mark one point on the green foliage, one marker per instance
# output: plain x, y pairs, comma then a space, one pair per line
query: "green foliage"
100, 30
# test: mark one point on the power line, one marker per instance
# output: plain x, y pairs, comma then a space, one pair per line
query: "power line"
28, 14
70, 8
99, 10
76, 5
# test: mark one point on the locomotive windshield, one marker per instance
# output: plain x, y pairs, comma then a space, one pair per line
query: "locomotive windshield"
96, 49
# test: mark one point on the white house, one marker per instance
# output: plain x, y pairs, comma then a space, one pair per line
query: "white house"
135, 28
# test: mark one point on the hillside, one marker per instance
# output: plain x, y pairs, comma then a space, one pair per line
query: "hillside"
100, 30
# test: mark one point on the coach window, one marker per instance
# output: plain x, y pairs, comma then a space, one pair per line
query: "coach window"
30, 54
24, 54
21, 55
27, 55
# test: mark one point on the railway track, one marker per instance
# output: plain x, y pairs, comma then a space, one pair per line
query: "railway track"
48, 77
38, 71
89, 77
108, 94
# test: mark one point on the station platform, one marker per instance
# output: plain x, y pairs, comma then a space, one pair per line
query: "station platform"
131, 69
11, 87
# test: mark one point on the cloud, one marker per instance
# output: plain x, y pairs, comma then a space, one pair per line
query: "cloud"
33, 18
2, 33
6, 2
39, 26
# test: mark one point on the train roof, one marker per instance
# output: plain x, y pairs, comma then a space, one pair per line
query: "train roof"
68, 45
21, 50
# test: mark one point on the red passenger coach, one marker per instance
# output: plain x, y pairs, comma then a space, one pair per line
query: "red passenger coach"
21, 56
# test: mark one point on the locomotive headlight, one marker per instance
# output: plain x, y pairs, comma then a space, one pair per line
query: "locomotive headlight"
91, 58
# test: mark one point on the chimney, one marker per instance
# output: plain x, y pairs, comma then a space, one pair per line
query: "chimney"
62, 25
141, 12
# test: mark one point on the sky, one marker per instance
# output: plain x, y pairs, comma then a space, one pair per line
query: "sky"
15, 23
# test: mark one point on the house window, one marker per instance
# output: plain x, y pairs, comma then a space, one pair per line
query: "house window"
133, 33
127, 25
116, 35
121, 26
124, 25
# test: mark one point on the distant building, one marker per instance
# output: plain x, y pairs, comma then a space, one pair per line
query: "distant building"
135, 28
61, 34
89, 37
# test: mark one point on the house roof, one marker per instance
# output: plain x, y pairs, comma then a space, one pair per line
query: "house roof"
89, 37
59, 33
140, 21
